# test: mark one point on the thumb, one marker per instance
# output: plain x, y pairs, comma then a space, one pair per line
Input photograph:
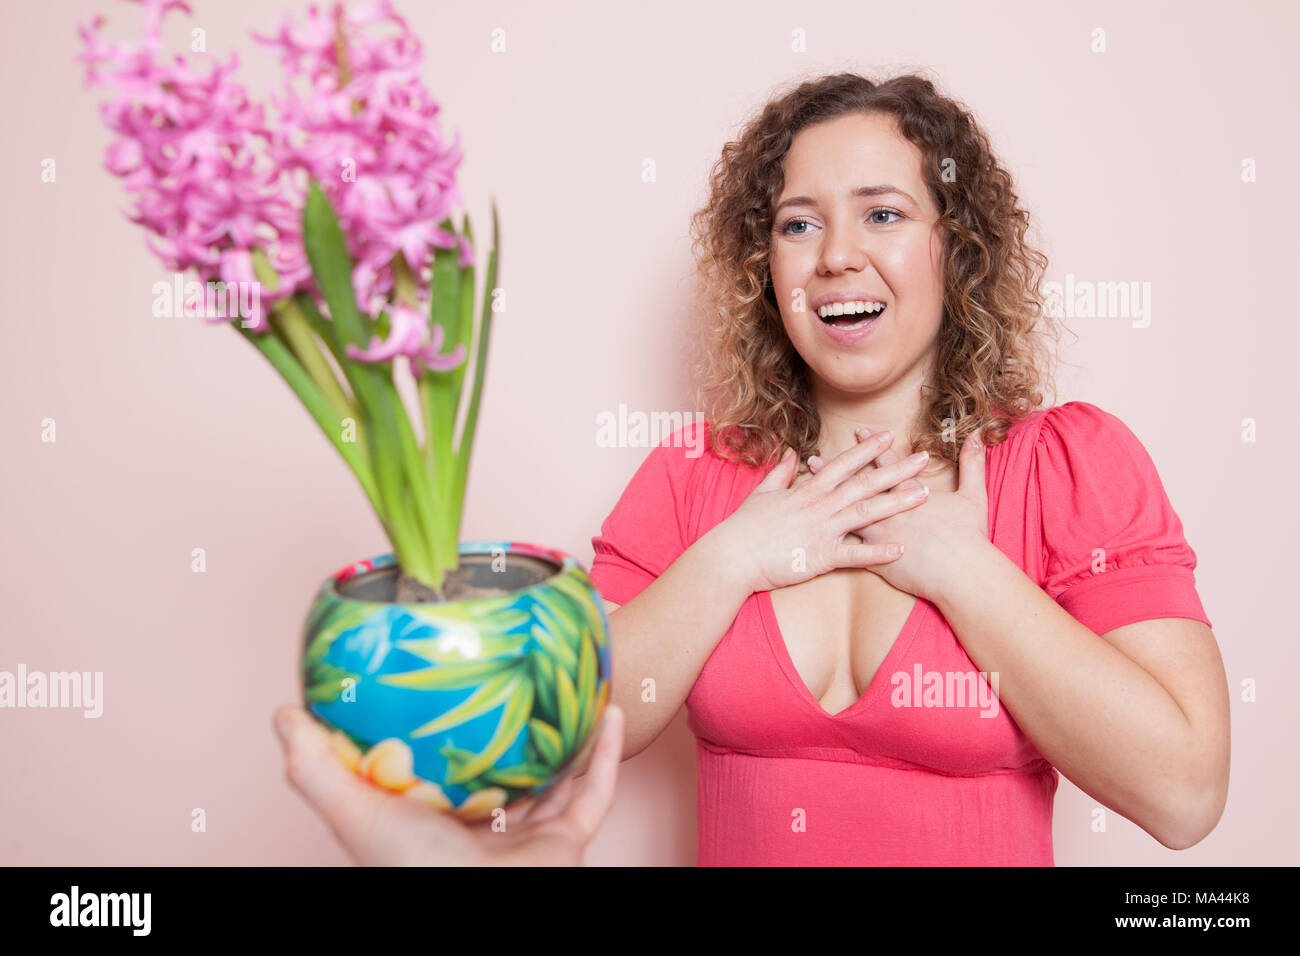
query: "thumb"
596, 795
781, 473
347, 803
970, 475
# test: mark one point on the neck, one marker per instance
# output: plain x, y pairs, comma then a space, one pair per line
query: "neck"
842, 413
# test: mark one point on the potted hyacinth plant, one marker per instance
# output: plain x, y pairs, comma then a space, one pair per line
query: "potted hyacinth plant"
466, 675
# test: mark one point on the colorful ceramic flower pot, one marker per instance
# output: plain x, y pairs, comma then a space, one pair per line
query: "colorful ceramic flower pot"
465, 705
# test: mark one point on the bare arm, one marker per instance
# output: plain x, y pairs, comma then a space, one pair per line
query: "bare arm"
667, 632
1138, 720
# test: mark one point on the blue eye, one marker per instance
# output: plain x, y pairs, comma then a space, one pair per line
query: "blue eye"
786, 229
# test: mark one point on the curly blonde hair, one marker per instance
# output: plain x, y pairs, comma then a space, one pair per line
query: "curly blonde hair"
991, 362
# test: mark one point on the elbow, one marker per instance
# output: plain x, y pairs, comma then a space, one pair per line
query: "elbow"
1194, 817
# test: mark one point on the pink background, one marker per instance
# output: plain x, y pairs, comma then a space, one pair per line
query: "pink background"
174, 435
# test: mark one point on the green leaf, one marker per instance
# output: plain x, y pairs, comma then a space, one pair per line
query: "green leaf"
557, 649
466, 445
513, 720
332, 266
450, 676
544, 682
324, 683
569, 710
371, 383
547, 740
482, 701
578, 590
522, 776
586, 687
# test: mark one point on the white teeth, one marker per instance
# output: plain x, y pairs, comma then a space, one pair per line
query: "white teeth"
850, 308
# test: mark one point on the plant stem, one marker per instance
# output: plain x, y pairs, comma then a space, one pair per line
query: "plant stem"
293, 325
302, 385
419, 475
325, 333
372, 384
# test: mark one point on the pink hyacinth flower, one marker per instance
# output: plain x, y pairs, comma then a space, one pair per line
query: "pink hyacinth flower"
406, 338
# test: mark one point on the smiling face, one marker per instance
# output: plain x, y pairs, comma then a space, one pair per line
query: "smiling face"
861, 225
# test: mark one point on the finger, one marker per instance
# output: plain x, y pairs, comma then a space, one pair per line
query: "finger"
596, 795
868, 482
866, 555
551, 803
970, 475
886, 457
353, 808
782, 472
860, 513
851, 461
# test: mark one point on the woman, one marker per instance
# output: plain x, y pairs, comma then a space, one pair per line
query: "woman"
852, 706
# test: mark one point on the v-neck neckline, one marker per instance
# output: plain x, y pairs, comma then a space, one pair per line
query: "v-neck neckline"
776, 642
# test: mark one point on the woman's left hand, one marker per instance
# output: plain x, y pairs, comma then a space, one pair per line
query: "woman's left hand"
938, 534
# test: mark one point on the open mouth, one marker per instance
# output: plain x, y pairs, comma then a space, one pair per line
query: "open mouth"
853, 315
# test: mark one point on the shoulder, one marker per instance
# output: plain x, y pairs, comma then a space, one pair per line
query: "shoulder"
1070, 448
1080, 437
1076, 422
1082, 422
681, 450
690, 448
679, 461
1086, 454
1074, 429
705, 484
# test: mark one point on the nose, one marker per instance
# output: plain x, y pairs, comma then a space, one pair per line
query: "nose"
842, 250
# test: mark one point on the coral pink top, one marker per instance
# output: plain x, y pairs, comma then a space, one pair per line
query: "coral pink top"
782, 782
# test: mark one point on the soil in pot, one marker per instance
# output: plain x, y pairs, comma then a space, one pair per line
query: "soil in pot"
475, 578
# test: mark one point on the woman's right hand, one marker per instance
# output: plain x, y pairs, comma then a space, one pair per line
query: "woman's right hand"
790, 535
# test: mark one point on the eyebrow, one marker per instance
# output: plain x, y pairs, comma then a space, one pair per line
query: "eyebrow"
859, 192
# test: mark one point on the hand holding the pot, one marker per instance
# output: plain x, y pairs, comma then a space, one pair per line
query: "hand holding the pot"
381, 828
790, 535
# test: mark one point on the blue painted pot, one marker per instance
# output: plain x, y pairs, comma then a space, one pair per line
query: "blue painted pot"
467, 706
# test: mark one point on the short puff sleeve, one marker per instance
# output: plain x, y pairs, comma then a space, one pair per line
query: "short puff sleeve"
648, 529
1113, 547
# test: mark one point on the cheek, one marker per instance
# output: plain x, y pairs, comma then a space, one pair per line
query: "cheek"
790, 271
912, 268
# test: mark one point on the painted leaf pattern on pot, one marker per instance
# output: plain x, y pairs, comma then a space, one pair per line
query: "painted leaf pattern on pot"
492, 698
499, 688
